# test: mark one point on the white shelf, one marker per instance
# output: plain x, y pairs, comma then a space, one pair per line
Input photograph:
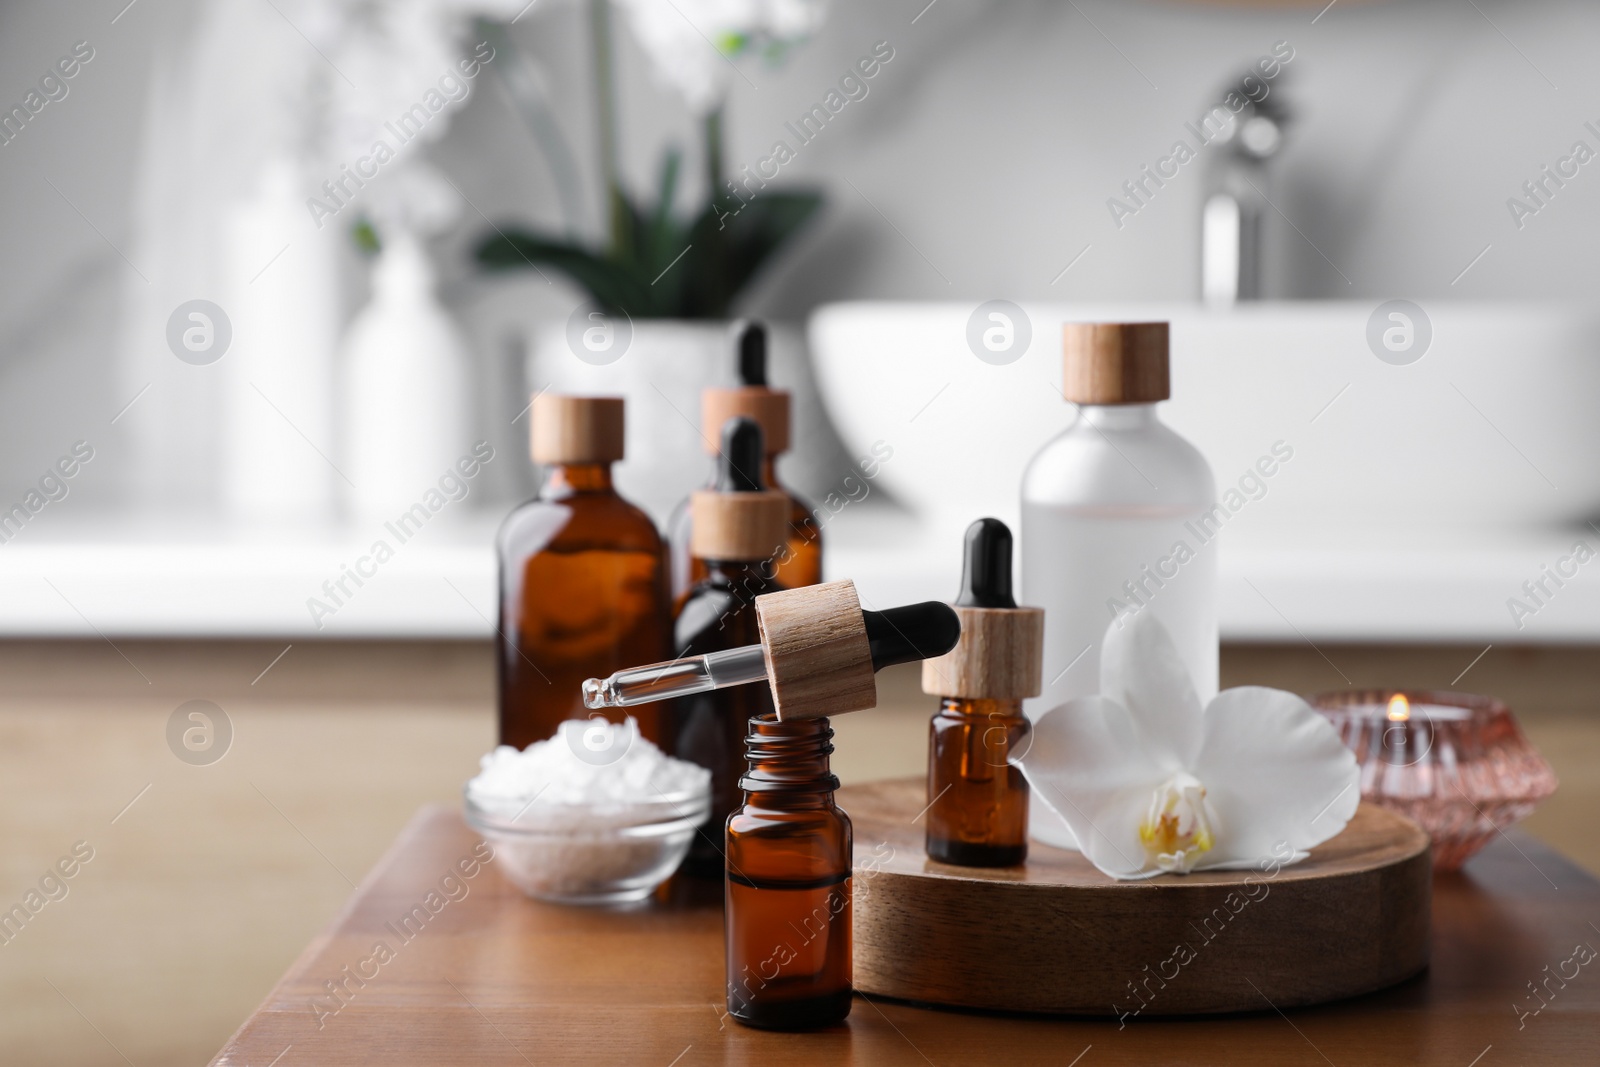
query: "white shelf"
165, 577
172, 578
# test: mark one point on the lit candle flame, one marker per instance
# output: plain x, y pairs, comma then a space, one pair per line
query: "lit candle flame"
1399, 708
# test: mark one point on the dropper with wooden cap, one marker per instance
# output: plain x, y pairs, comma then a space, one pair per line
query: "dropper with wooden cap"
817, 649
977, 800
739, 526
583, 583
799, 562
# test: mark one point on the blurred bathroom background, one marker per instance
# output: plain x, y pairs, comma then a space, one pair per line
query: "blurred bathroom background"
1422, 151
978, 166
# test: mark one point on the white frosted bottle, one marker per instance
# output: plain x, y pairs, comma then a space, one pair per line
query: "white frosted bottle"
1116, 518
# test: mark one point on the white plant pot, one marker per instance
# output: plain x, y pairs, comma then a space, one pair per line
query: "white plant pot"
665, 365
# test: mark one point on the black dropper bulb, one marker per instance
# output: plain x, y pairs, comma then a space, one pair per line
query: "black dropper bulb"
739, 464
986, 571
916, 631
753, 354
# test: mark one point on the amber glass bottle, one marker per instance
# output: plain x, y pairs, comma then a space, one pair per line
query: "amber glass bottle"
977, 800
800, 562
738, 527
583, 583
979, 813
788, 863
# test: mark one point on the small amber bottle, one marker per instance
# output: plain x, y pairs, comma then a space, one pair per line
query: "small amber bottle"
583, 582
800, 561
739, 526
788, 863
789, 846
977, 798
787, 853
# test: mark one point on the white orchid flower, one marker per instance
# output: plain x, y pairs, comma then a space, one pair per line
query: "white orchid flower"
1151, 784
691, 42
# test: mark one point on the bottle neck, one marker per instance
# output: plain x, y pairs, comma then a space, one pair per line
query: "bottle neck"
740, 571
789, 763
745, 579
980, 708
769, 473
568, 479
1119, 416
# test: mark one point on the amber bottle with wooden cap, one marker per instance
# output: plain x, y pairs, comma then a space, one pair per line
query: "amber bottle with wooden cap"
583, 583
1119, 516
800, 561
977, 800
738, 527
788, 846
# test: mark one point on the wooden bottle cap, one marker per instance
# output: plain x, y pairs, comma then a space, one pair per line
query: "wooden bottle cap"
819, 661
737, 526
1115, 362
1000, 656
768, 407
576, 429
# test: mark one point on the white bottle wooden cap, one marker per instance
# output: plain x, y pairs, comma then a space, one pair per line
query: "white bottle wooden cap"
1115, 362
819, 661
1000, 656
576, 429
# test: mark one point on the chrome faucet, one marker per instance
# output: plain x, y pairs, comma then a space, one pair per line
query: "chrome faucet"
1235, 202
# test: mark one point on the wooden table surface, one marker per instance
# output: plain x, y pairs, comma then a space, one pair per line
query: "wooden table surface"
492, 978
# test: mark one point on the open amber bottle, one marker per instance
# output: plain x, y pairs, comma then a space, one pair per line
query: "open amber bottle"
977, 799
787, 853
583, 583
788, 903
799, 562
789, 846
739, 525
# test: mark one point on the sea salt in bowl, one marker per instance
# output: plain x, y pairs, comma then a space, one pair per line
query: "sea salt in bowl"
595, 815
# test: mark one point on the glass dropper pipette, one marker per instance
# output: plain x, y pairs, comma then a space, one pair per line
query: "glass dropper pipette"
897, 635
677, 678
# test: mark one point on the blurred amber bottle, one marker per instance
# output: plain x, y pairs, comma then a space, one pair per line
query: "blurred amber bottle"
789, 891
800, 562
583, 582
977, 799
738, 527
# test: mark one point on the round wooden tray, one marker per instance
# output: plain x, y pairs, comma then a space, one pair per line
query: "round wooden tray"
1057, 936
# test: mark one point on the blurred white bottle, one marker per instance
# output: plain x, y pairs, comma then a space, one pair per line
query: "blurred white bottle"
1116, 518
281, 291
405, 384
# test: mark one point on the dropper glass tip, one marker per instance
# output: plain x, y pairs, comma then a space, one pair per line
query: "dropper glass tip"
599, 693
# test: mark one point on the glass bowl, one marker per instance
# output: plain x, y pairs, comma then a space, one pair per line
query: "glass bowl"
591, 854
1454, 763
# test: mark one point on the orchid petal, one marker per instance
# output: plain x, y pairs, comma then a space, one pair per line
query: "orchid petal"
1087, 764
1140, 669
1277, 776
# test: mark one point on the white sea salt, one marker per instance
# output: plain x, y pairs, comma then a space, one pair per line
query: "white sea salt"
589, 765
595, 814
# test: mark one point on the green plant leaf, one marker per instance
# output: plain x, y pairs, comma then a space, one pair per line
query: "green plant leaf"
666, 270
733, 241
614, 286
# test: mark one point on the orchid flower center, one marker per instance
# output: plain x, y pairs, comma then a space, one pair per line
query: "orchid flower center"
1177, 829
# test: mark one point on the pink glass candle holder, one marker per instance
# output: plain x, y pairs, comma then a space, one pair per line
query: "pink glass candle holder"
1454, 763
